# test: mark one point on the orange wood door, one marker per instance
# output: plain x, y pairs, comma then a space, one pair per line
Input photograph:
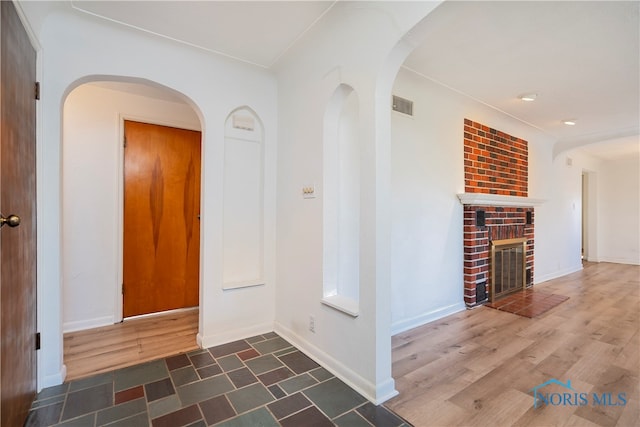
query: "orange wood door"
161, 218
18, 197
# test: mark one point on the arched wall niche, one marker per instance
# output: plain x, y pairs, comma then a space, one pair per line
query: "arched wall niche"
243, 200
341, 209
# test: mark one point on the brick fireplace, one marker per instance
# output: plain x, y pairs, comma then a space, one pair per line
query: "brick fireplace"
496, 206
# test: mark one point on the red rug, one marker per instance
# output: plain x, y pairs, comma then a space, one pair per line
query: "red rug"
528, 303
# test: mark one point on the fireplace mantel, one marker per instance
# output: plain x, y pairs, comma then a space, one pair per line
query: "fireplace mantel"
484, 199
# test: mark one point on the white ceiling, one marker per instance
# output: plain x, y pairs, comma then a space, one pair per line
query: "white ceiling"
258, 32
581, 58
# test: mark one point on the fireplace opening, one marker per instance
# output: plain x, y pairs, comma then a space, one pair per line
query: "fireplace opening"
508, 267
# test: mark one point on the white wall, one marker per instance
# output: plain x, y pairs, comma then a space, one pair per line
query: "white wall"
80, 48
619, 210
427, 174
560, 225
92, 196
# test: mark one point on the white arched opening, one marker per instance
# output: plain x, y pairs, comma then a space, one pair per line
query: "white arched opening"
92, 155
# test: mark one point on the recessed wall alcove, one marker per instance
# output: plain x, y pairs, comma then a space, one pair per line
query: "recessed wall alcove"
341, 209
243, 204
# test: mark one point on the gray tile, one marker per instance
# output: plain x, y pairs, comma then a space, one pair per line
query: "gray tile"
299, 362
56, 390
88, 400
159, 389
81, 384
118, 412
275, 376
217, 409
198, 351
334, 397
89, 403
209, 371
297, 383
269, 346
230, 363
263, 364
260, 417
277, 391
308, 417
379, 415
270, 335
203, 390
44, 416
229, 348
48, 401
181, 417
201, 359
184, 376
351, 419
255, 339
140, 374
284, 407
164, 406
242, 377
321, 374
177, 361
285, 351
87, 420
140, 420
249, 397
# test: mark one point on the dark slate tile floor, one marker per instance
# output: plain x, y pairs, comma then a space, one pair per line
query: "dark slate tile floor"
258, 381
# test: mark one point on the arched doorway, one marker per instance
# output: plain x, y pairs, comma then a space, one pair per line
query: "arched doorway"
93, 186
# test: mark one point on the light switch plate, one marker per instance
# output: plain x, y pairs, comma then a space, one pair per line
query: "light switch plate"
308, 192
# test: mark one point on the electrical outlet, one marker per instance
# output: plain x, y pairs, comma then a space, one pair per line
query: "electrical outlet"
312, 324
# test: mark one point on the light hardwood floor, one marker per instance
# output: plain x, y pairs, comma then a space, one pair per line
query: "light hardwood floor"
128, 343
478, 367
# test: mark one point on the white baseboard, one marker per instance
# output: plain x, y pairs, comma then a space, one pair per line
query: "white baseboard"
414, 322
616, 260
375, 393
55, 379
385, 391
80, 325
544, 278
206, 341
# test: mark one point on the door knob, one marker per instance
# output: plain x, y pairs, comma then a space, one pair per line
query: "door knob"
11, 220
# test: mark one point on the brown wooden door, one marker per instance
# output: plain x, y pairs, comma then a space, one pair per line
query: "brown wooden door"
161, 218
17, 196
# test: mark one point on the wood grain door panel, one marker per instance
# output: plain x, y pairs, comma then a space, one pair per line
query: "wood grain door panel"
161, 218
17, 196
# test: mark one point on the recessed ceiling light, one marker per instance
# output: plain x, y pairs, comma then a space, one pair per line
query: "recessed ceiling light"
528, 97
569, 122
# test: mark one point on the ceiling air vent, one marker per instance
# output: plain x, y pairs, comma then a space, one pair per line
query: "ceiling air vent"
402, 105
